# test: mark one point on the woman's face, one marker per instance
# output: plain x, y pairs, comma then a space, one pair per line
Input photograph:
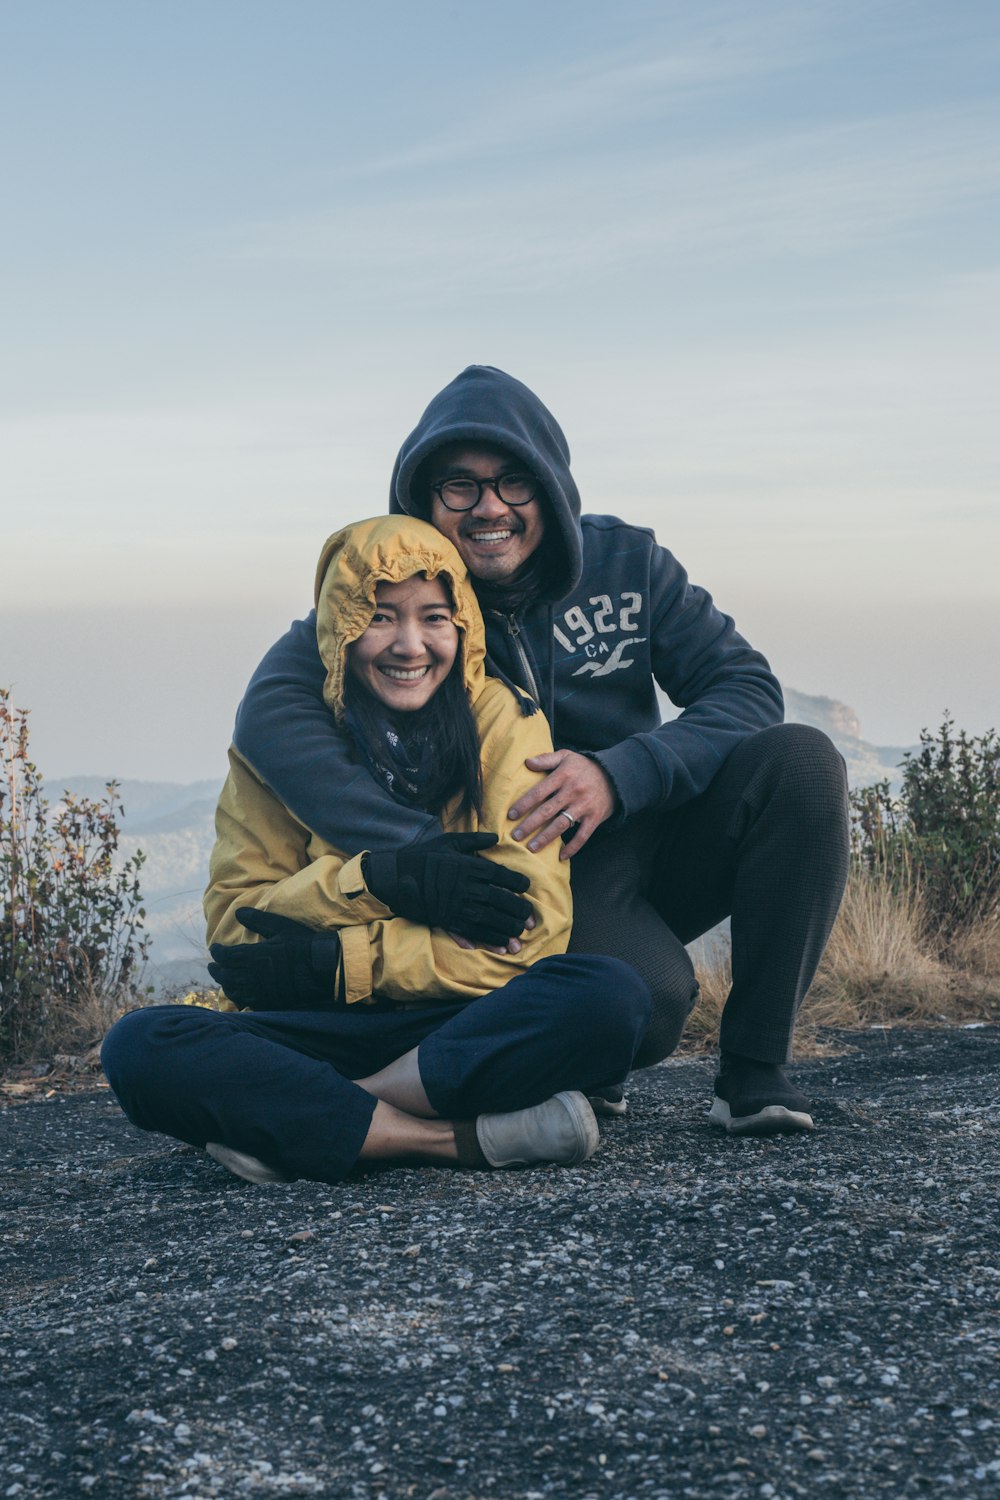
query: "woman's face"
409, 647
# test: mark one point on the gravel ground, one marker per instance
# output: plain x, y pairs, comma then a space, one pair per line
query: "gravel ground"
685, 1315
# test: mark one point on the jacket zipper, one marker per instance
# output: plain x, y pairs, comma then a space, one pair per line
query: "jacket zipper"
513, 630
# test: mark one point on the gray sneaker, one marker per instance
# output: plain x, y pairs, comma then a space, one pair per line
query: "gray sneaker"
250, 1168
609, 1101
562, 1130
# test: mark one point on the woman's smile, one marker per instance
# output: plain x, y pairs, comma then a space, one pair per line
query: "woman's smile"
405, 674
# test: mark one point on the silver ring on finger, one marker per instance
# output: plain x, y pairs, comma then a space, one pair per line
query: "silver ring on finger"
568, 816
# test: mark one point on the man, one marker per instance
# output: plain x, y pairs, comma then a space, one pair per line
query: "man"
670, 827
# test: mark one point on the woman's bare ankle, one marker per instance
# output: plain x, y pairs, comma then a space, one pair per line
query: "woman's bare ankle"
396, 1136
401, 1085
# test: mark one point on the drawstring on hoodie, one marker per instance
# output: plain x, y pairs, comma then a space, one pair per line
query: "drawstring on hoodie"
526, 704
547, 690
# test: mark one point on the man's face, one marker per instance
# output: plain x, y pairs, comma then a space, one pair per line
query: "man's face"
494, 540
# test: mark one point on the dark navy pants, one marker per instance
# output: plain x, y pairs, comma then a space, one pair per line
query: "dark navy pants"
278, 1084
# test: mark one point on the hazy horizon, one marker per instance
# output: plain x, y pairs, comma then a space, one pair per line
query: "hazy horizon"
748, 256
88, 728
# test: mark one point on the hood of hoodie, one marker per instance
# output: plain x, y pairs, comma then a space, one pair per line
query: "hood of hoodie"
388, 549
484, 405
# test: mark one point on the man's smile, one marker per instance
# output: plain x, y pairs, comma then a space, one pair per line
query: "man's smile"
493, 536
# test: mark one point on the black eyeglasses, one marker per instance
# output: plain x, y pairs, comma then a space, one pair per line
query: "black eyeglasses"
465, 494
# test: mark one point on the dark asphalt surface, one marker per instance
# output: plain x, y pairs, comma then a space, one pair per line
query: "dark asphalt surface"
685, 1315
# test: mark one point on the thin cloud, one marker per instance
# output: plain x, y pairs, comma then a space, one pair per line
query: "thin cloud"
580, 101
798, 193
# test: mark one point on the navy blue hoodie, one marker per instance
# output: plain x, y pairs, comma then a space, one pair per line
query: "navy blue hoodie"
614, 614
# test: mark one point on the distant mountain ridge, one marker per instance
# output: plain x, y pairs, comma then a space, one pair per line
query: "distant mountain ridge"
145, 802
866, 763
173, 824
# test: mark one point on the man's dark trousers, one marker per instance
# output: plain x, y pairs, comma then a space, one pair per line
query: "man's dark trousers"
767, 846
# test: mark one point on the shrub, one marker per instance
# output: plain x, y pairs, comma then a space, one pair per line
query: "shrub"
942, 833
918, 934
71, 915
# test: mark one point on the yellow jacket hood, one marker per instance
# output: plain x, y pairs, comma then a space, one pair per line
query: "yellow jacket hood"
388, 549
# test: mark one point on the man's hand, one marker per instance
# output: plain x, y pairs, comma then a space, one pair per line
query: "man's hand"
576, 793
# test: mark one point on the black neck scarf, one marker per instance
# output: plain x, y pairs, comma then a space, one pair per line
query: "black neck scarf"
397, 748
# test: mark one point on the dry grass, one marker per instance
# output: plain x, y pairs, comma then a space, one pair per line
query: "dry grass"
879, 968
76, 1026
878, 965
977, 951
714, 969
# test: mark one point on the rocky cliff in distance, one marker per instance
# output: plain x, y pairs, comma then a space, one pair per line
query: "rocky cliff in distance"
866, 763
173, 825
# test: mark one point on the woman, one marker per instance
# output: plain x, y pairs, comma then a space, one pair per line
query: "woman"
390, 1060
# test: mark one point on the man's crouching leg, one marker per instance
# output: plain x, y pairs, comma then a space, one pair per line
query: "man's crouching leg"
767, 843
612, 915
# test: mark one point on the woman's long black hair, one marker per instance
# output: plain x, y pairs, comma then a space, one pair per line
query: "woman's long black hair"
438, 743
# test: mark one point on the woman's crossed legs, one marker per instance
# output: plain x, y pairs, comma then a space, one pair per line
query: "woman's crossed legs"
310, 1093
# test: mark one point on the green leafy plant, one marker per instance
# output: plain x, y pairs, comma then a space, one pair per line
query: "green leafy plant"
942, 832
71, 914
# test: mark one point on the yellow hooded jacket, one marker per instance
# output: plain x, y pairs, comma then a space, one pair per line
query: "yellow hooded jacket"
265, 858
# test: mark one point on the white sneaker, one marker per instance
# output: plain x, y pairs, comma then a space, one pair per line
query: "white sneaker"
250, 1168
563, 1129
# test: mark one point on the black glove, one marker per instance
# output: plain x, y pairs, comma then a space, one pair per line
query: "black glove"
294, 968
440, 883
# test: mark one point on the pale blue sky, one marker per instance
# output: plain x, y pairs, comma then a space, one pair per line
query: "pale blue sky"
748, 253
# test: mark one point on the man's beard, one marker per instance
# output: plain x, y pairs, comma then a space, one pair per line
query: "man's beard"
528, 585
